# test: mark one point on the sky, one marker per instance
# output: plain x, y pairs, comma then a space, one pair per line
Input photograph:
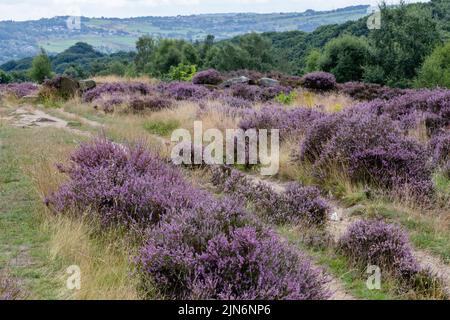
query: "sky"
36, 9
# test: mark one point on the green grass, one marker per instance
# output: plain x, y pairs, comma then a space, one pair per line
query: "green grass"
422, 229
162, 128
338, 266
23, 243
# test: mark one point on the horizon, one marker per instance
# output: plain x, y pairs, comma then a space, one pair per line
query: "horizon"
127, 9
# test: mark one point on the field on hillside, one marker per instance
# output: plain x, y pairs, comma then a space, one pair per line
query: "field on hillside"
358, 209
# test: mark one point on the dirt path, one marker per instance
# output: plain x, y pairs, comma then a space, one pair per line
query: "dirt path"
29, 117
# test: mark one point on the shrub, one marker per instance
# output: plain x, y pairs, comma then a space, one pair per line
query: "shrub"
433, 105
320, 81
440, 150
182, 72
290, 122
287, 99
5, 77
185, 91
345, 57
209, 77
19, 90
368, 91
211, 254
41, 68
370, 149
296, 205
246, 92
118, 88
150, 103
435, 71
121, 185
377, 243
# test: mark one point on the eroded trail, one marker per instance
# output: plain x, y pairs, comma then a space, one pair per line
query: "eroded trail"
29, 117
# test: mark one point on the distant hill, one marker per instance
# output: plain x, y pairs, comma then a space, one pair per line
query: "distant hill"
23, 39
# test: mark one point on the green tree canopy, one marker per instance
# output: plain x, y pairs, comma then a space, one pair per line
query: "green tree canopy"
435, 71
41, 67
345, 57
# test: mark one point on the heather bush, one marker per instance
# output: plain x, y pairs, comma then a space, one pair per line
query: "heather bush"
430, 106
368, 91
439, 148
208, 77
296, 205
370, 149
320, 81
150, 103
381, 244
116, 88
289, 121
210, 253
107, 103
19, 90
185, 91
246, 92
121, 185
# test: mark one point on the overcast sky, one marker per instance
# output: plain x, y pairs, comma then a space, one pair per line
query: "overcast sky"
35, 9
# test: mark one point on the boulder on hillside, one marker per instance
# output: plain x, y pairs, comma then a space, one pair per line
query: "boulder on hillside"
233, 81
86, 85
64, 86
268, 82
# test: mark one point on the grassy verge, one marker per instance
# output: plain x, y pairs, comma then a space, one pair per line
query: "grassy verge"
36, 246
338, 266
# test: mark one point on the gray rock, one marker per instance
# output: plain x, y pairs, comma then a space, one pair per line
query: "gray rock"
66, 87
233, 81
268, 82
87, 85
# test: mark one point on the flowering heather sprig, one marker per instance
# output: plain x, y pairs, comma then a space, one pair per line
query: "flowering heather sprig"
208, 77
211, 253
320, 81
19, 90
122, 185
381, 244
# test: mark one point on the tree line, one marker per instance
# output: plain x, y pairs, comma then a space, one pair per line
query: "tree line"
412, 48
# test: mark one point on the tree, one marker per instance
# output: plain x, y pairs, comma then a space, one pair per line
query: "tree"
345, 57
182, 72
408, 34
4, 77
117, 68
435, 71
145, 47
41, 67
312, 61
